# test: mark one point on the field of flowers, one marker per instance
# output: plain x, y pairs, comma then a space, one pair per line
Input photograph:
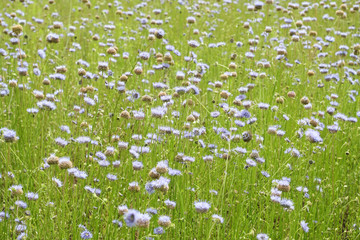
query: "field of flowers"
179, 119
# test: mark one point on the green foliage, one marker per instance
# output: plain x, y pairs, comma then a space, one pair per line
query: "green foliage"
243, 193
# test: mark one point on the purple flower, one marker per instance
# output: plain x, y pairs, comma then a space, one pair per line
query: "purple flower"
304, 226
86, 235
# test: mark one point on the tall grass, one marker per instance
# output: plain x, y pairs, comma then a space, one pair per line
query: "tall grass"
242, 193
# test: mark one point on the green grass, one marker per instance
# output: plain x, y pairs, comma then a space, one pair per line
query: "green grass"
243, 194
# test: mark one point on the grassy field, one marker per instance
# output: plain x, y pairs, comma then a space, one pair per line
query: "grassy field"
179, 119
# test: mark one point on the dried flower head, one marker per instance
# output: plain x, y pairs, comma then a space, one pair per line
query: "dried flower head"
17, 29
64, 163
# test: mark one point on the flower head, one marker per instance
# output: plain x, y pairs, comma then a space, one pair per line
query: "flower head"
131, 217
262, 236
9, 135
86, 234
164, 221
304, 226
202, 206
217, 218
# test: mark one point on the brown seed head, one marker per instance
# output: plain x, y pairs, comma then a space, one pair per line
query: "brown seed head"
123, 78
310, 73
161, 94
17, 29
190, 118
81, 72
52, 160
125, 114
146, 98
232, 66
65, 164
138, 70
280, 100
237, 102
224, 76
134, 188
190, 102
284, 188
291, 94
314, 123
154, 174
111, 51
299, 23
313, 33
305, 100
247, 136
343, 7
46, 81
224, 94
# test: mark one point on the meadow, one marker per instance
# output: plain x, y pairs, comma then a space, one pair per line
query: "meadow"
186, 119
